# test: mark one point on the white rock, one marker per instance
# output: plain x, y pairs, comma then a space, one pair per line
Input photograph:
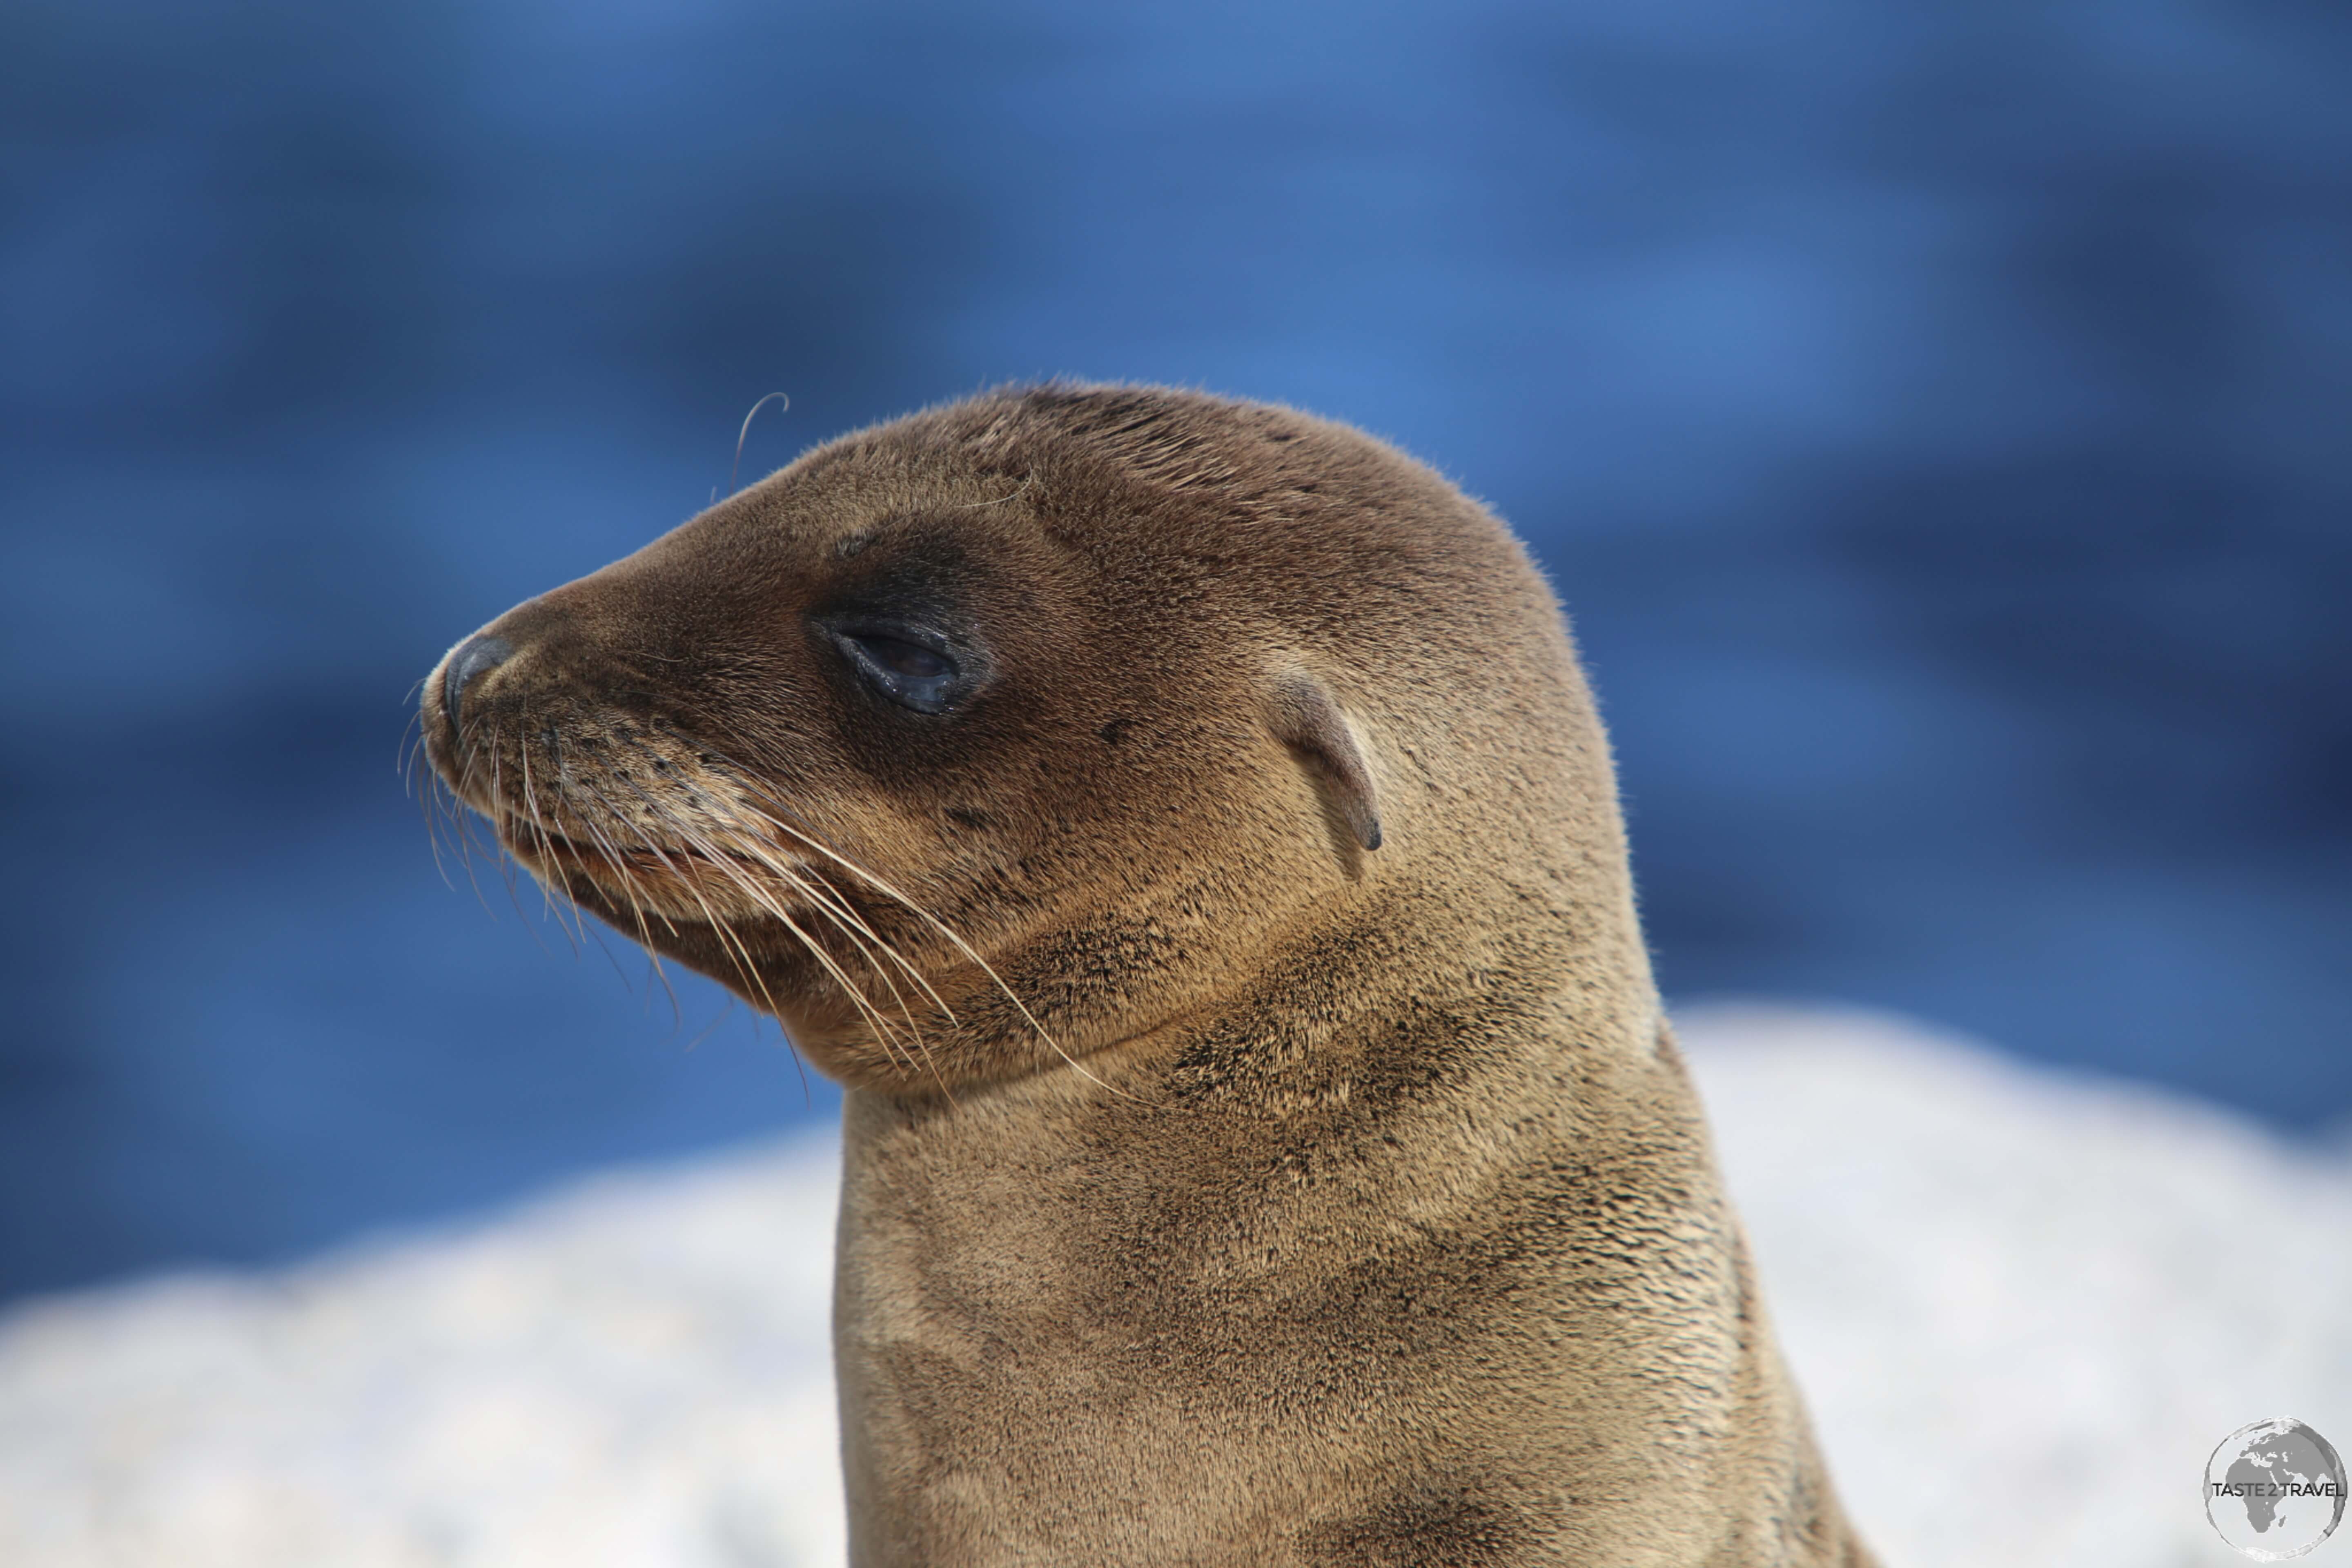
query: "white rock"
2024, 1308
634, 1371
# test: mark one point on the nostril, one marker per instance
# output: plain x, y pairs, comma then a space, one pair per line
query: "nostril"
476, 656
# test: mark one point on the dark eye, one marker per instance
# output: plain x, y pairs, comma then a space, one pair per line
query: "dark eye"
907, 660
908, 673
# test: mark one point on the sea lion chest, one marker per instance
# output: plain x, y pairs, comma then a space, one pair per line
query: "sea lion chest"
1074, 1329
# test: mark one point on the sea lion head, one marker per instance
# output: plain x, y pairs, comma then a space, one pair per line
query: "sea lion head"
979, 742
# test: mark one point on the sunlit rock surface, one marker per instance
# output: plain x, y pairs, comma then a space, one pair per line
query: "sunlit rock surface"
2025, 1309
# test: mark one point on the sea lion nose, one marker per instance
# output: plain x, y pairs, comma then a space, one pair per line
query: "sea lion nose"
469, 660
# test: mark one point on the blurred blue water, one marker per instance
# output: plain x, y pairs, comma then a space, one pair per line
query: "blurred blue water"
1934, 417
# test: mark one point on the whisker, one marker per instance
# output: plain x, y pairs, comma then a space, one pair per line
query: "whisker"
564, 796
830, 900
873, 962
742, 780
725, 865
660, 811
546, 838
741, 837
739, 954
633, 896
496, 850
525, 823
870, 945
758, 895
444, 815
428, 804
826, 901
746, 430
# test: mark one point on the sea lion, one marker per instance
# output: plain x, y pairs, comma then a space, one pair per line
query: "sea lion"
1183, 828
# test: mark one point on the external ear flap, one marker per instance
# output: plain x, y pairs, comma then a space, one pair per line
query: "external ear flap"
1305, 718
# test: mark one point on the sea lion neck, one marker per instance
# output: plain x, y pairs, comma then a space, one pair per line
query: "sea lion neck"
1410, 991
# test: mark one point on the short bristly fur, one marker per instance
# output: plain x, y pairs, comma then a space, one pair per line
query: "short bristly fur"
1263, 1145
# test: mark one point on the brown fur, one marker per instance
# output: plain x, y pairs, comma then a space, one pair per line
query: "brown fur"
1315, 1202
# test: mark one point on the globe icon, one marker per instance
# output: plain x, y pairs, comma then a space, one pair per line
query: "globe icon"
2275, 1490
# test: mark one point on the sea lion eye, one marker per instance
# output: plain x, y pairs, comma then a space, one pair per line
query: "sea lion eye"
907, 660
910, 673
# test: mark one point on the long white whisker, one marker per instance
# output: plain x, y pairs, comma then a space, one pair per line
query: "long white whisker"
742, 957
758, 895
883, 887
546, 836
843, 912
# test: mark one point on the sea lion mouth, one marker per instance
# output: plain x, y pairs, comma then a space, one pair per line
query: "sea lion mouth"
631, 819
637, 859
654, 875
724, 895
